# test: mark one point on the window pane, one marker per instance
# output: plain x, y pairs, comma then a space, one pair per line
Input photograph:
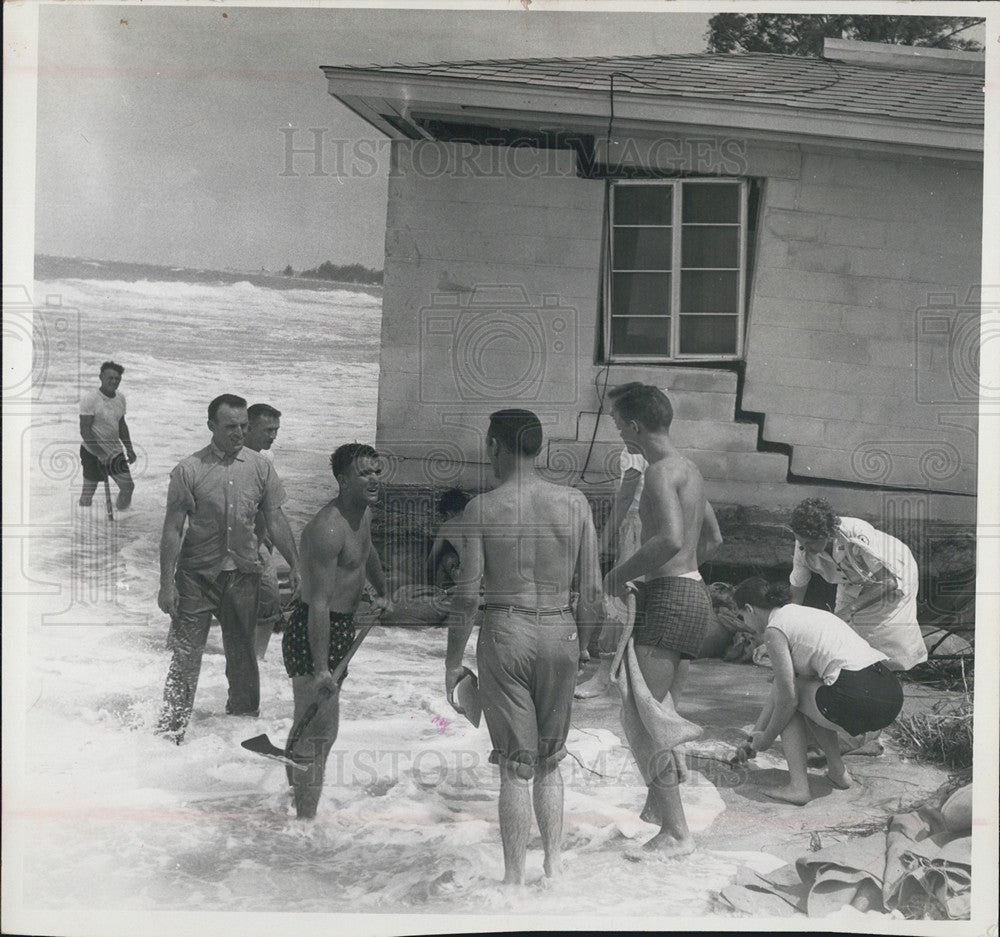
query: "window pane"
710, 247
642, 204
709, 291
708, 335
642, 248
641, 336
640, 294
711, 201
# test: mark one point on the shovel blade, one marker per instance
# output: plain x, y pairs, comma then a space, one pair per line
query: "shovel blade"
261, 745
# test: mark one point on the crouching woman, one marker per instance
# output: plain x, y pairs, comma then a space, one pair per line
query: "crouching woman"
826, 678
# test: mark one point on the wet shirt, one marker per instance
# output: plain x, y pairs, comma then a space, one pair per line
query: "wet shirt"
221, 495
107, 412
821, 644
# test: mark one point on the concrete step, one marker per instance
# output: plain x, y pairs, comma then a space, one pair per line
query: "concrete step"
675, 379
723, 435
567, 457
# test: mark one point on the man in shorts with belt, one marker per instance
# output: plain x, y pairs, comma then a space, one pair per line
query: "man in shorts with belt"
527, 541
674, 611
336, 557
104, 430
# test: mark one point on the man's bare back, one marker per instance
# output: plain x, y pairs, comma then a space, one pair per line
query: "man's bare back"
530, 534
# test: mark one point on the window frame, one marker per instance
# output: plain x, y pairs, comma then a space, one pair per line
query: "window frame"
676, 272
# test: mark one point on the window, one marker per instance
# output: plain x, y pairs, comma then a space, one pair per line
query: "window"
677, 270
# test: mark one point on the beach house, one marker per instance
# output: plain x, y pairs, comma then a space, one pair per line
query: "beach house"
789, 246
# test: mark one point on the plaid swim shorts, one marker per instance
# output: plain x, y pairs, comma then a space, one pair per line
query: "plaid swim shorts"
673, 612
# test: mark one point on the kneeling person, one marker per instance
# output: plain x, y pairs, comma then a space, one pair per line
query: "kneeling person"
336, 557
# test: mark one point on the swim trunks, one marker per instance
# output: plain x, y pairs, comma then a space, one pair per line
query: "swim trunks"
673, 612
861, 700
96, 470
527, 673
295, 649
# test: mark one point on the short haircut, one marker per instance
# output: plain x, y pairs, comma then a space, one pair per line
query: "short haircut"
519, 431
225, 400
257, 410
345, 456
453, 501
112, 366
813, 518
760, 593
644, 404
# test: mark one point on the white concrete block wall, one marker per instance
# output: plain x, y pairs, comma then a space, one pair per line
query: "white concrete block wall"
833, 358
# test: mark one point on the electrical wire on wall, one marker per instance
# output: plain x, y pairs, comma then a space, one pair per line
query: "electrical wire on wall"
606, 241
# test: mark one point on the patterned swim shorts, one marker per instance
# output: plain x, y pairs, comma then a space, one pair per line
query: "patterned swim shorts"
295, 648
673, 612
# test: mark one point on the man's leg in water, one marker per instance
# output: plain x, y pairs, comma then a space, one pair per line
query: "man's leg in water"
658, 667
548, 799
313, 746
515, 822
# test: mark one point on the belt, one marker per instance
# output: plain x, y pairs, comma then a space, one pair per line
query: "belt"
525, 610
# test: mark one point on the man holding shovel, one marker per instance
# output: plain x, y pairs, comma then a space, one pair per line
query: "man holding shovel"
336, 557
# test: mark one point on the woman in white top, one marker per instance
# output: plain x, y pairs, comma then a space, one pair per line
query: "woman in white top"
826, 677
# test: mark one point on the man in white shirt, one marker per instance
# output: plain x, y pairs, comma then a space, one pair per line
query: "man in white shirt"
104, 430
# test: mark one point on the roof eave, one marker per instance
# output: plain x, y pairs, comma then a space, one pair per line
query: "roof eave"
586, 111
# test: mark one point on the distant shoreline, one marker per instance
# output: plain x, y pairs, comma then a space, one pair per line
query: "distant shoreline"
55, 268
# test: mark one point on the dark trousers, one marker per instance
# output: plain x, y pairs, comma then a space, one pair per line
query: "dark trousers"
231, 597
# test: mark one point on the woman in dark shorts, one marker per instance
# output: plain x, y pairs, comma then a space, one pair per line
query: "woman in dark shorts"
826, 678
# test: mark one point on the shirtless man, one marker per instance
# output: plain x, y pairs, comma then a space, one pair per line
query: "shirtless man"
679, 531
526, 541
336, 557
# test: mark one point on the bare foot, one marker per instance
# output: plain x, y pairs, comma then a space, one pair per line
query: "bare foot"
597, 684
662, 846
788, 795
843, 781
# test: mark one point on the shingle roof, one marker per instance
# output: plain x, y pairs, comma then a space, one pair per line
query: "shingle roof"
760, 79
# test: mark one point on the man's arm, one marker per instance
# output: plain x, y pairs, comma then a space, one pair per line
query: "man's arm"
321, 548
710, 538
280, 533
87, 433
588, 569
664, 544
464, 605
123, 435
170, 549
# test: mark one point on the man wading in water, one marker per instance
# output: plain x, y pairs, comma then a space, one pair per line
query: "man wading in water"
336, 557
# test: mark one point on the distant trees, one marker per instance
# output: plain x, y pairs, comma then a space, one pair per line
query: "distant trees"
790, 34
341, 273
